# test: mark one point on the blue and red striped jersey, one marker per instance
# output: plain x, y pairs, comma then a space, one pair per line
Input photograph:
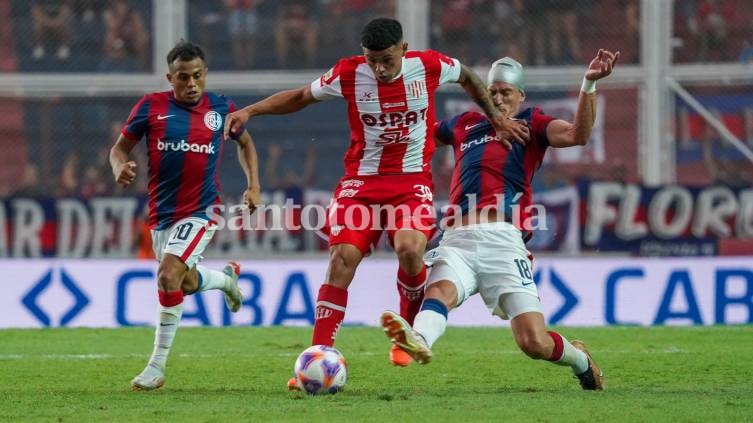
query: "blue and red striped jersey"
184, 146
485, 171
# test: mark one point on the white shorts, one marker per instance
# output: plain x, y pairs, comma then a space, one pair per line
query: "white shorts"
186, 239
490, 259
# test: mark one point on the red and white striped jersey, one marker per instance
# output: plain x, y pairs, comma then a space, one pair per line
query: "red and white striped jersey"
390, 123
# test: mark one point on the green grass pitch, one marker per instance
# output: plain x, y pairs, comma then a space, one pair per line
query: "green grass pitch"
701, 374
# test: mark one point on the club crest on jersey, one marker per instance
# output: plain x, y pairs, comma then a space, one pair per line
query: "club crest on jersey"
417, 89
336, 229
213, 121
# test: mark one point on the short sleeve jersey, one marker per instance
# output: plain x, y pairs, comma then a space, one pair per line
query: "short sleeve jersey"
390, 123
184, 146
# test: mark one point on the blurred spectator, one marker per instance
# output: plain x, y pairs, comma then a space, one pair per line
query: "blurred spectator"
142, 242
723, 168
708, 26
243, 22
452, 26
126, 39
288, 178
356, 13
554, 31
297, 32
631, 52
69, 178
381, 8
550, 176
94, 183
292, 185
30, 184
52, 26
88, 10
746, 54
89, 33
501, 30
333, 17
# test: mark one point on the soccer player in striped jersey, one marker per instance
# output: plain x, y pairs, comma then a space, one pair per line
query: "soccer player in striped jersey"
183, 129
390, 95
484, 251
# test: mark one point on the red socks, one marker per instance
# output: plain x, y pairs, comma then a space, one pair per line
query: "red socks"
171, 298
329, 314
559, 346
411, 290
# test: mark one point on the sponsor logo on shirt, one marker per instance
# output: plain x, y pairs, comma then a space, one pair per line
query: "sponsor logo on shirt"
393, 105
478, 141
351, 183
392, 119
347, 193
182, 145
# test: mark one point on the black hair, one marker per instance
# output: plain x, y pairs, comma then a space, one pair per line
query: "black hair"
381, 33
185, 51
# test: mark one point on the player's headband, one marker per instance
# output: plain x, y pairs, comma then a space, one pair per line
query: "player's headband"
507, 70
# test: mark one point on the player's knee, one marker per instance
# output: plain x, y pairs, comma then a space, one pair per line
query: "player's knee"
342, 265
443, 291
410, 251
169, 279
533, 346
342, 259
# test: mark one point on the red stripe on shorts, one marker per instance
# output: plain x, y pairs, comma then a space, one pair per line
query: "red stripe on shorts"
192, 245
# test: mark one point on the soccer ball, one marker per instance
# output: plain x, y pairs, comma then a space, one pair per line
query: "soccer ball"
320, 369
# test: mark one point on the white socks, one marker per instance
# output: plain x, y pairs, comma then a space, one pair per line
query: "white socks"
575, 358
213, 279
169, 318
430, 324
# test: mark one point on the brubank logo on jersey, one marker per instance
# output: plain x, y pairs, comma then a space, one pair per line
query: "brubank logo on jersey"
182, 145
393, 119
478, 141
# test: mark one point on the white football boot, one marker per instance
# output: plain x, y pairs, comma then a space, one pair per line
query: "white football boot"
150, 379
234, 296
403, 336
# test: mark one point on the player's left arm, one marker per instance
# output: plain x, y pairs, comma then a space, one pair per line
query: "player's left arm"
507, 129
249, 161
561, 133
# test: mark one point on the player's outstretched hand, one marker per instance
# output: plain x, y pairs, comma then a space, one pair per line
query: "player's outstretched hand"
125, 173
602, 65
510, 130
251, 199
234, 122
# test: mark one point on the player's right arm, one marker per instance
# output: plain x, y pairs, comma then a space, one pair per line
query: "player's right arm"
281, 103
135, 128
123, 169
289, 101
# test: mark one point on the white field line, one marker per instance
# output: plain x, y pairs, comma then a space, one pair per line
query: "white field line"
84, 357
